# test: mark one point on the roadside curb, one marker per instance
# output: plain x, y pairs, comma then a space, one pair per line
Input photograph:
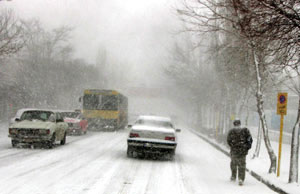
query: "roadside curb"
252, 173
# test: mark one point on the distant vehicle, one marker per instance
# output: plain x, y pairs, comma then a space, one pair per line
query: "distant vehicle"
152, 134
39, 126
105, 109
76, 122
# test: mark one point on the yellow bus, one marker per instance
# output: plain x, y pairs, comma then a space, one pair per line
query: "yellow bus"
105, 109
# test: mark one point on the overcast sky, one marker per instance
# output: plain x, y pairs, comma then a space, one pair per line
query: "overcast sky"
137, 33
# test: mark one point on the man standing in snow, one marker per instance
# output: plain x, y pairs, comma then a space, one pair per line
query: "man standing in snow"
239, 140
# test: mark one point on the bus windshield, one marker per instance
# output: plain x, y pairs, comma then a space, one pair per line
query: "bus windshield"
100, 102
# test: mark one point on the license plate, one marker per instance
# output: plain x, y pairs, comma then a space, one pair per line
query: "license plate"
147, 145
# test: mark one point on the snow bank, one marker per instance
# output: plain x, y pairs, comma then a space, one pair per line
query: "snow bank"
258, 167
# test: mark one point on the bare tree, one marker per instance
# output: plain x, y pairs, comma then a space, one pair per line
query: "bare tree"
11, 41
11, 33
202, 17
192, 74
277, 21
46, 72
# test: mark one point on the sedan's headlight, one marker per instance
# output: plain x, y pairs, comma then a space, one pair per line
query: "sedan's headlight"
12, 131
74, 125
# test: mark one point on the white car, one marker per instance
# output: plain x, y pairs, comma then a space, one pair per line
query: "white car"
38, 126
152, 134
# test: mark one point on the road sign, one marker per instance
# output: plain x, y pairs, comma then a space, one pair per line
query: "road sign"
281, 103
281, 110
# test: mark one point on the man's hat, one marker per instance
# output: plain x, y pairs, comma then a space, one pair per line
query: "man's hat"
237, 122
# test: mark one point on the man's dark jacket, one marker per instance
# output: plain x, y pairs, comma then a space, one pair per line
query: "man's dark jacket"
239, 140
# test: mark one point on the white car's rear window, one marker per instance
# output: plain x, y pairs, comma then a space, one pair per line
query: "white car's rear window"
156, 123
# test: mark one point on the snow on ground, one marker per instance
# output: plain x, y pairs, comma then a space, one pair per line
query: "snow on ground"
96, 163
262, 163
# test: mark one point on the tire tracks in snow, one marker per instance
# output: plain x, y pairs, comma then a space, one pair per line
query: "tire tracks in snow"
44, 167
97, 165
140, 181
180, 176
151, 182
35, 168
123, 177
111, 169
29, 152
64, 165
99, 155
166, 177
130, 176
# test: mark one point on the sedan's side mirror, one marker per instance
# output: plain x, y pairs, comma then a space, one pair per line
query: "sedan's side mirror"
17, 119
178, 130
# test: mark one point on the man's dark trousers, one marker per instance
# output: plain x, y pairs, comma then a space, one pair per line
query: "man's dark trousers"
238, 163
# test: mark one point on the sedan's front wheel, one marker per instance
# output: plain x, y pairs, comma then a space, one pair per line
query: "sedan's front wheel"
14, 143
51, 142
63, 141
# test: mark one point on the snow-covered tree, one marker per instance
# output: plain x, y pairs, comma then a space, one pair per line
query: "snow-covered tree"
263, 55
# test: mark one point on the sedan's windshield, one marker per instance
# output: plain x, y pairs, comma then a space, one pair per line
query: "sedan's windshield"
36, 115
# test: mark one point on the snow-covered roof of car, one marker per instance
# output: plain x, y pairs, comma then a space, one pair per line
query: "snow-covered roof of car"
156, 118
65, 111
20, 111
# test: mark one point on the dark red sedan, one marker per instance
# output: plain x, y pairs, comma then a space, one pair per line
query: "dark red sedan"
76, 122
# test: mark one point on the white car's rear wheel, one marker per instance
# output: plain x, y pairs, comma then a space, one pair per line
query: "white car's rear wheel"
170, 155
129, 152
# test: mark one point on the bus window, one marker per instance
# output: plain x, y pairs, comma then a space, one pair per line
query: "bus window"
109, 103
90, 102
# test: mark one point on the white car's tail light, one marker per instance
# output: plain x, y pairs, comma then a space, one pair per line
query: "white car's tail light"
170, 138
134, 135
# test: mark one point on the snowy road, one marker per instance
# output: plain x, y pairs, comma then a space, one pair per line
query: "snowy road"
97, 164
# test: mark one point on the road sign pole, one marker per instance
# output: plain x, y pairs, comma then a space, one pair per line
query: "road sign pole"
280, 145
217, 124
281, 110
